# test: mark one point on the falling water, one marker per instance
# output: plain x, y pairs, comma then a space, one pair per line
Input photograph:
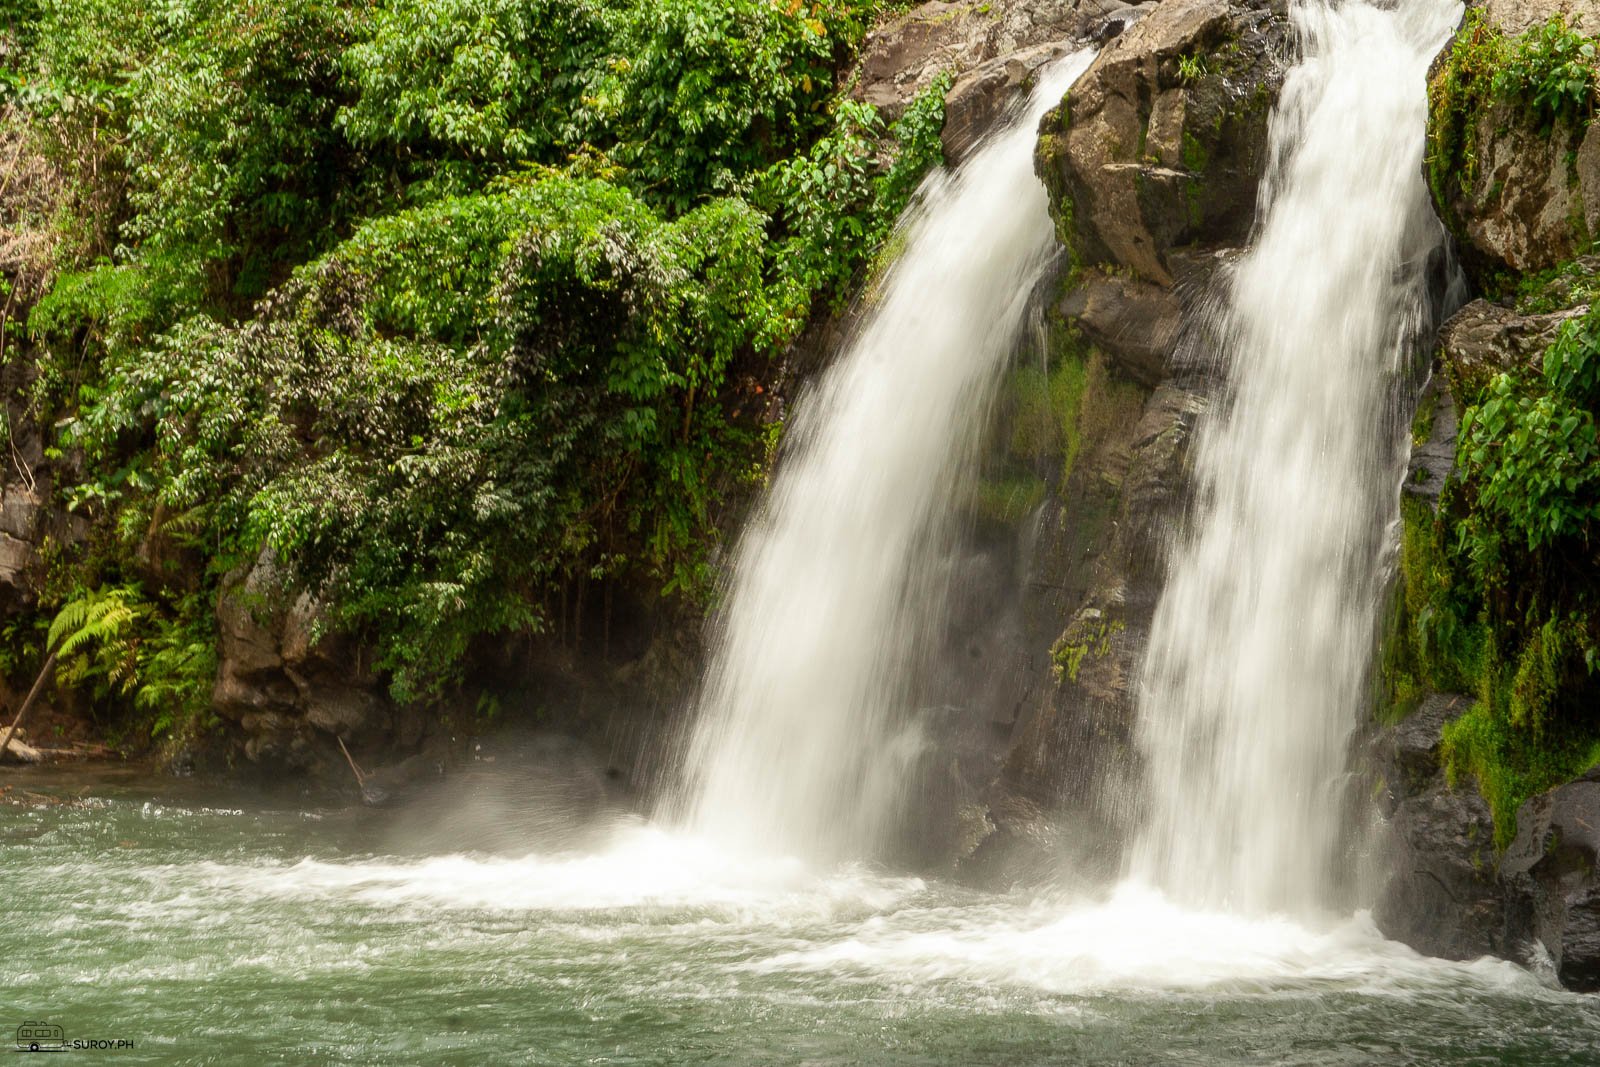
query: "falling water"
799, 741
1256, 667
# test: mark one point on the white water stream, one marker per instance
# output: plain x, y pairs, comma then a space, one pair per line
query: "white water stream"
1256, 668
799, 743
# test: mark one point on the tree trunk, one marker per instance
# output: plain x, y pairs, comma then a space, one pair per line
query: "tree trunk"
33, 695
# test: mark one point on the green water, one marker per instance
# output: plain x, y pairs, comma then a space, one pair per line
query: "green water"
209, 930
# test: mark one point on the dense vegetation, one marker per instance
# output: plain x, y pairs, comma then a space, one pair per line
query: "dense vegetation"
455, 306
1549, 74
1498, 588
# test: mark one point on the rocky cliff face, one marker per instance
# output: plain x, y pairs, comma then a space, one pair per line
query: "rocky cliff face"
1152, 162
1516, 181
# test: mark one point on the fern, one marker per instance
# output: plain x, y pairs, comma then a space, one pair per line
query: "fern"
104, 617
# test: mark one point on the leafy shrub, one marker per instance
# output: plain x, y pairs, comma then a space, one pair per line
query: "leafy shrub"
465, 404
1549, 71
458, 305
1499, 590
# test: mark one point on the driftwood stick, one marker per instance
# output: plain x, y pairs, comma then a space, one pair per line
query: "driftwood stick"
33, 695
361, 779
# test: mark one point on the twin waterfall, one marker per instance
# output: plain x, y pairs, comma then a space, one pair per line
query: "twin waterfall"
1256, 670
796, 745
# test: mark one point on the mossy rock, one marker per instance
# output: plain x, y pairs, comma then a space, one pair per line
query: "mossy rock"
1162, 143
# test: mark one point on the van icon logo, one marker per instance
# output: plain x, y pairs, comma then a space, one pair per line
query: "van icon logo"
40, 1037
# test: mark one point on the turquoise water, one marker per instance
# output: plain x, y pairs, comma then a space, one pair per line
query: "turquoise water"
206, 930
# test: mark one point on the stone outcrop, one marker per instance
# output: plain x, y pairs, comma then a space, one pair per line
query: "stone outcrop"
1443, 896
1152, 162
1550, 870
291, 684
1161, 144
1526, 196
1515, 16
1139, 321
902, 57
1451, 894
1484, 339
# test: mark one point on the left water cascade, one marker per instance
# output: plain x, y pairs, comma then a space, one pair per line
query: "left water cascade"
800, 741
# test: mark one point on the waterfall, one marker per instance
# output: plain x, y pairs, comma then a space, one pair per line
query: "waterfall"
799, 742
1256, 670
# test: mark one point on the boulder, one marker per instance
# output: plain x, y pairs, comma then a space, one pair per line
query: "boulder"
1163, 141
979, 99
903, 56
1515, 16
290, 681
1484, 339
1443, 897
1519, 192
1551, 867
1135, 321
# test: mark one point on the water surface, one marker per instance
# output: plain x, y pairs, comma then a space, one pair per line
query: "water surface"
213, 931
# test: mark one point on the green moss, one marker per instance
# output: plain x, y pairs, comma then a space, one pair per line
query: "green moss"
1508, 765
1422, 422
1560, 287
1087, 636
1009, 500
1548, 73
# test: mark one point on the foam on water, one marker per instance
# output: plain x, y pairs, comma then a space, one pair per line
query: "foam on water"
641, 867
1139, 941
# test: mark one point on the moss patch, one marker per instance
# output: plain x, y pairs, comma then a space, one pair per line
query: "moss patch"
1547, 75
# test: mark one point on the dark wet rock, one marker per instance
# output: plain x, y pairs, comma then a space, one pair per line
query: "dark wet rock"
1089, 587
1444, 896
1137, 322
1434, 459
1551, 867
1163, 141
1407, 755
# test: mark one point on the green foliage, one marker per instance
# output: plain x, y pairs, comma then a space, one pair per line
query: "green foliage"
1433, 641
464, 404
118, 644
456, 305
1533, 454
101, 618
1536, 458
1498, 594
474, 81
1549, 72
1191, 68
686, 97
835, 210
1510, 763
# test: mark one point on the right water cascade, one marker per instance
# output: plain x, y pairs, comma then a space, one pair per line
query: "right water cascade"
1257, 666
